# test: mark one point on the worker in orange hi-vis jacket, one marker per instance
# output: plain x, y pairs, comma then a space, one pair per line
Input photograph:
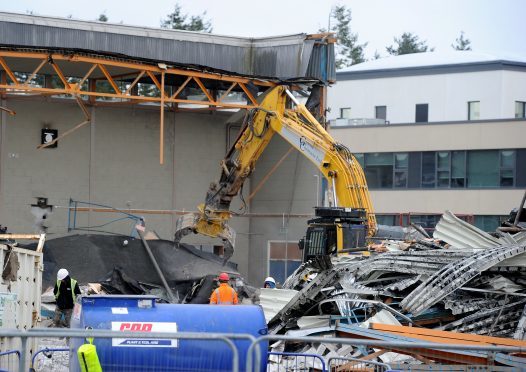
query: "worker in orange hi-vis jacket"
224, 294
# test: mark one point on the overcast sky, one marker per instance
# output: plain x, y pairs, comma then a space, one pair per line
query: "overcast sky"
494, 26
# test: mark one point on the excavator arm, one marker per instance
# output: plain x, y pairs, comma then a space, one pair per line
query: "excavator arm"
298, 127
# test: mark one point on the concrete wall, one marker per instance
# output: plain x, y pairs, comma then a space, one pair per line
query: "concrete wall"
290, 190
115, 161
474, 202
433, 137
446, 94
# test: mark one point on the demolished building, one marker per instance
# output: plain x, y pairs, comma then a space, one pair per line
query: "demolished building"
464, 281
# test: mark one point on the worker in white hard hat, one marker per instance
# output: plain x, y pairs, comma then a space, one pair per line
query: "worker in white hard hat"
269, 283
66, 292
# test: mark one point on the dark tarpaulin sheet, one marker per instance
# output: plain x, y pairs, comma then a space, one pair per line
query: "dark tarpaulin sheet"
92, 258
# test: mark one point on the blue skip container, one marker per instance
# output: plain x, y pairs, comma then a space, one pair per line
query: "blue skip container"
143, 314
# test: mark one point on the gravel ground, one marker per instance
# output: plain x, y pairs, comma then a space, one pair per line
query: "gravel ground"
54, 361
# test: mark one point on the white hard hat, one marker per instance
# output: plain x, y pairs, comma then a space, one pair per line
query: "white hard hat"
62, 273
270, 279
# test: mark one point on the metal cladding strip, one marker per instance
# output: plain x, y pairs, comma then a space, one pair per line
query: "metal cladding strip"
460, 305
403, 284
454, 276
505, 323
394, 265
461, 234
307, 294
520, 332
412, 262
520, 237
508, 239
482, 314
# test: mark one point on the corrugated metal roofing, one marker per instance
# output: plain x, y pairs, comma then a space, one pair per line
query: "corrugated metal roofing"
283, 57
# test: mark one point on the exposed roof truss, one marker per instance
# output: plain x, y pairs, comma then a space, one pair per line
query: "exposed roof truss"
93, 79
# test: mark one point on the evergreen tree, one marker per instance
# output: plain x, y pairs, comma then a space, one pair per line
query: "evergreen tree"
348, 50
461, 43
178, 21
102, 18
407, 44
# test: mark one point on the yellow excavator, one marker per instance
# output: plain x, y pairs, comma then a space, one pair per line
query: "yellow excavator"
342, 227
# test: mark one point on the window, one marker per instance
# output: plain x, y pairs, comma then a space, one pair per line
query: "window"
489, 223
379, 169
507, 168
458, 169
400, 171
483, 168
474, 110
360, 159
284, 258
380, 112
427, 221
520, 109
387, 219
428, 169
443, 168
421, 113
345, 113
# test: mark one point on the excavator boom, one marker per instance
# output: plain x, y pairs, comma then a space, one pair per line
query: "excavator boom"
298, 127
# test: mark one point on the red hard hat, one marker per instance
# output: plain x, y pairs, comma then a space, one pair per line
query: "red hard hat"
223, 277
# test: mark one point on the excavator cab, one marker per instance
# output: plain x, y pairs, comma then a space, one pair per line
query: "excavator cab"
334, 231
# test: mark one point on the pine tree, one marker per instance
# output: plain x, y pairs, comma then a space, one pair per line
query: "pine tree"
461, 43
407, 44
348, 50
178, 21
102, 18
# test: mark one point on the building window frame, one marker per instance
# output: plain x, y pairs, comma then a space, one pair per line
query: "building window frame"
400, 170
473, 110
286, 259
378, 114
345, 112
450, 171
440, 170
420, 113
506, 171
453, 180
520, 109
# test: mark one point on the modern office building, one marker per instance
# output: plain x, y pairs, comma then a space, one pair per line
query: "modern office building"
436, 131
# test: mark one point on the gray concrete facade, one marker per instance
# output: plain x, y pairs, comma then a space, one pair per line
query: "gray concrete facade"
115, 161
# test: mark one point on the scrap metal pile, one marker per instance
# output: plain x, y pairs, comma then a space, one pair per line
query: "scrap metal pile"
462, 280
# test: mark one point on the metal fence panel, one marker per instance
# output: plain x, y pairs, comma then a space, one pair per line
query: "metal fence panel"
282, 361
20, 293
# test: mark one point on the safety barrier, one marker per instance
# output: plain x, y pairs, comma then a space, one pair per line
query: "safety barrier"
356, 363
44, 351
496, 353
84, 334
7, 353
508, 358
293, 362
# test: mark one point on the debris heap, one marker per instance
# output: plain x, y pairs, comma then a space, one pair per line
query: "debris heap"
462, 280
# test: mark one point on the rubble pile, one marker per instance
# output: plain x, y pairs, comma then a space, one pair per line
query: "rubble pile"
462, 280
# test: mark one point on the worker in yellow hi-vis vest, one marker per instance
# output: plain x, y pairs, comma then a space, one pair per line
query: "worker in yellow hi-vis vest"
66, 292
224, 294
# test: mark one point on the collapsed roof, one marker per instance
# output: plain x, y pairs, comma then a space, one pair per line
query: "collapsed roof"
283, 57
